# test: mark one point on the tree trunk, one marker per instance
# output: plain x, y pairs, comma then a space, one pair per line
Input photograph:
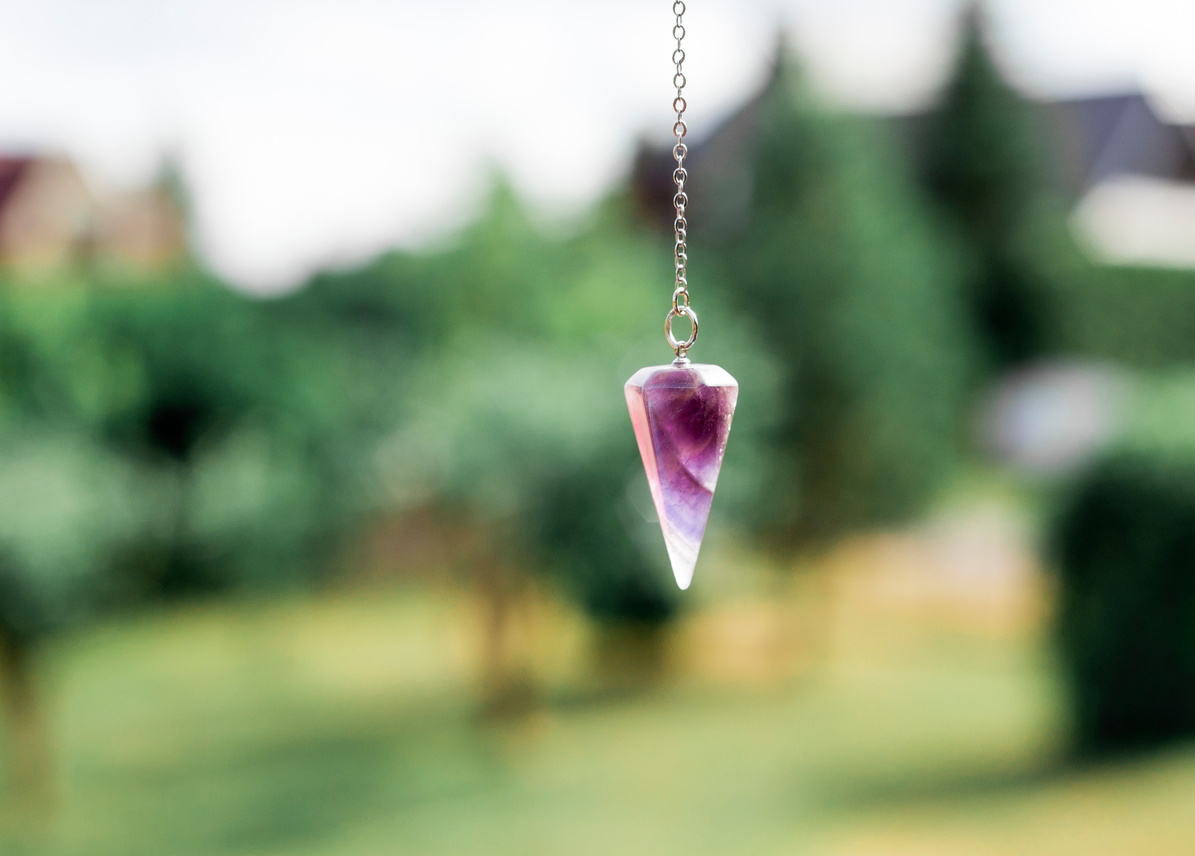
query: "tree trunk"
28, 755
631, 656
507, 687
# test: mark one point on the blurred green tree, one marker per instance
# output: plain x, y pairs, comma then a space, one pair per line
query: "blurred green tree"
162, 442
68, 503
983, 163
517, 421
847, 288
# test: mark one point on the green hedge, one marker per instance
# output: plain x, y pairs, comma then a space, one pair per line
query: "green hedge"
1141, 316
1125, 548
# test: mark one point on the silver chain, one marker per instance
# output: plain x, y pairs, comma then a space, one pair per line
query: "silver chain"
680, 201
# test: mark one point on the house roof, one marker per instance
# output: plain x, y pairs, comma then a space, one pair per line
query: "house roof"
1118, 135
12, 169
1093, 138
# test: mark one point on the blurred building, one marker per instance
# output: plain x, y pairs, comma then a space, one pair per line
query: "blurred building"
52, 219
1127, 171
1107, 137
1132, 177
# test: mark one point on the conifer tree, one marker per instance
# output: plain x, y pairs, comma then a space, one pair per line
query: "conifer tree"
983, 166
838, 267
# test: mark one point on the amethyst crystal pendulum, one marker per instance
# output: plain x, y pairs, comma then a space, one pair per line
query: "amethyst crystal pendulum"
681, 412
681, 415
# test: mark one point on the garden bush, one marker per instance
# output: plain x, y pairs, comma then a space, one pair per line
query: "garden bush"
1124, 544
1138, 316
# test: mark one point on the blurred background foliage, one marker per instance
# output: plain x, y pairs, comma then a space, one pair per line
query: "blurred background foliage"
840, 272
170, 439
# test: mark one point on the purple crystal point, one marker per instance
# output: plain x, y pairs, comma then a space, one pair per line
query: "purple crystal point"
681, 414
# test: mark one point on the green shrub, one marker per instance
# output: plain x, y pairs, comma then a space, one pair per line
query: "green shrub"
1139, 316
1125, 549
587, 528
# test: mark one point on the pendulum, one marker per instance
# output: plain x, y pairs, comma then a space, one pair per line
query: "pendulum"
681, 412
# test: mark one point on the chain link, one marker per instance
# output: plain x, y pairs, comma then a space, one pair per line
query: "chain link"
680, 201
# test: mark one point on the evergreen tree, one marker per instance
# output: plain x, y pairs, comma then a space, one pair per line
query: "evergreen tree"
838, 268
983, 166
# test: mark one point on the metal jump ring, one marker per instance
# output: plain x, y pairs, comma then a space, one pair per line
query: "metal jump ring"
680, 347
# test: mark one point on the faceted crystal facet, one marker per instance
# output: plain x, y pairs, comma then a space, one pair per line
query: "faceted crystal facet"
681, 414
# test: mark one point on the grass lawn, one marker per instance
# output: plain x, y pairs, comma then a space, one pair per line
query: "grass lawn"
346, 724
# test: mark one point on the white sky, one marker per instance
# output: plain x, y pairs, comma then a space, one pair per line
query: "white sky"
322, 132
